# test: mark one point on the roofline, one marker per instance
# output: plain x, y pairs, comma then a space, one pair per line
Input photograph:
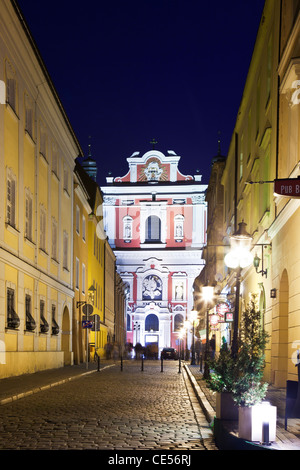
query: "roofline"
33, 44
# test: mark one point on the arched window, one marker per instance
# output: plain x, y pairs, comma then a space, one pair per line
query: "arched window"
153, 229
152, 323
178, 322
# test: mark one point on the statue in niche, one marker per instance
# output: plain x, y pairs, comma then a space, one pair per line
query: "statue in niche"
179, 291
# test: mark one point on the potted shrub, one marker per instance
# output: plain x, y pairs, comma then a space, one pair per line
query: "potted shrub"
221, 380
249, 389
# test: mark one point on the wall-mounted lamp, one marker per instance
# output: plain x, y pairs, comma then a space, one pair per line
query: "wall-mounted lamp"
273, 293
256, 263
91, 295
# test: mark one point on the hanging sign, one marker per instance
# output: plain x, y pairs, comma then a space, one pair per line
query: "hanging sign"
289, 187
222, 308
229, 317
213, 320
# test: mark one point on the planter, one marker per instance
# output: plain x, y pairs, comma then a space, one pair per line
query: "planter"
226, 409
255, 421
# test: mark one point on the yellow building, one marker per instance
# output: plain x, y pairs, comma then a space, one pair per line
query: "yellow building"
81, 212
37, 152
248, 181
284, 232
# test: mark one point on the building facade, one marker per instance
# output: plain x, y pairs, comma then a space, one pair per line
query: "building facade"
37, 152
155, 219
262, 161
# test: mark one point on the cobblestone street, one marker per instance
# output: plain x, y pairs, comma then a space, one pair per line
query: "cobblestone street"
110, 409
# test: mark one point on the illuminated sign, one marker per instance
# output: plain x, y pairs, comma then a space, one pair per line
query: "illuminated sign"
213, 320
222, 308
229, 317
289, 187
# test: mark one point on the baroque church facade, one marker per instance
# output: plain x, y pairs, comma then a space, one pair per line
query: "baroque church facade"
155, 220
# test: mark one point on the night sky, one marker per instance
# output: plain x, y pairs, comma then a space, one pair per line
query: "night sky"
128, 71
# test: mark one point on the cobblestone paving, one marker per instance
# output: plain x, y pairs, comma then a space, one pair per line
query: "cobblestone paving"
128, 410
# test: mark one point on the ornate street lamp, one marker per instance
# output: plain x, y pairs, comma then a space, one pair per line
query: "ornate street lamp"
193, 318
238, 258
207, 294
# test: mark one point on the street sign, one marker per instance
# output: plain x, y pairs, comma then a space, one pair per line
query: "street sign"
289, 187
87, 324
88, 309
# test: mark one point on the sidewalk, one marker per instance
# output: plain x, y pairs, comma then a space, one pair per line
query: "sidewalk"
14, 388
285, 439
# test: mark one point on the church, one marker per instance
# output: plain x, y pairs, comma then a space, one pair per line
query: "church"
155, 220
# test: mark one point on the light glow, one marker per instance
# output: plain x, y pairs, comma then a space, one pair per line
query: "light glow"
207, 293
238, 258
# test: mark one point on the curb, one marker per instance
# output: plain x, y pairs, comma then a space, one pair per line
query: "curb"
204, 403
223, 438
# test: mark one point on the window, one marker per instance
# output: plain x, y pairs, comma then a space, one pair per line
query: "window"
77, 273
77, 220
44, 325
11, 199
28, 215
28, 115
42, 229
13, 320
54, 239
66, 180
83, 278
55, 327
83, 228
129, 327
54, 160
178, 322
269, 68
127, 228
153, 229
43, 141
30, 322
65, 250
11, 87
178, 227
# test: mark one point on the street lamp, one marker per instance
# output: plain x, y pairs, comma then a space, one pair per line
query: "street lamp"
238, 258
88, 310
207, 294
193, 318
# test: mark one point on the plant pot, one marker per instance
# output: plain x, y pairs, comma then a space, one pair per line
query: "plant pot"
255, 421
226, 409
